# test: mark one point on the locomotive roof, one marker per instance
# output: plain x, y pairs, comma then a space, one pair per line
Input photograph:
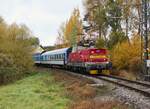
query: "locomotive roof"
57, 51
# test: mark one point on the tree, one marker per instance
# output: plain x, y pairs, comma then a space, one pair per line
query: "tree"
60, 41
70, 32
115, 38
34, 41
73, 28
114, 15
97, 18
16, 49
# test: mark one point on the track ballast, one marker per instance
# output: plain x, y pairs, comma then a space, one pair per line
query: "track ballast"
138, 86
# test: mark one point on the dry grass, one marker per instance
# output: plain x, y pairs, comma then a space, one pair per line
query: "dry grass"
128, 75
91, 104
82, 94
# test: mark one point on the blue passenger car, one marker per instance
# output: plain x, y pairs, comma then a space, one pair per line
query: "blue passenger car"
37, 58
56, 57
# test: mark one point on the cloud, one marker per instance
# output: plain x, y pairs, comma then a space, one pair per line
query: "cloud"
43, 17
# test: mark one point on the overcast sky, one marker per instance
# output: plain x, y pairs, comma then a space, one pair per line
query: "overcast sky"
43, 17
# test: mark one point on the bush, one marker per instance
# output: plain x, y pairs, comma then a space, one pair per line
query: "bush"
127, 55
6, 61
16, 49
8, 74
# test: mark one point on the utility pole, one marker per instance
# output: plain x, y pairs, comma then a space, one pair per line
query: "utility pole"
145, 35
127, 23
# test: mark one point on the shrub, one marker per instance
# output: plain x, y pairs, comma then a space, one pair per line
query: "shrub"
127, 55
15, 51
9, 74
6, 61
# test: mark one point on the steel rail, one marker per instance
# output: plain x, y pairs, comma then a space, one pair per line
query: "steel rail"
131, 87
147, 84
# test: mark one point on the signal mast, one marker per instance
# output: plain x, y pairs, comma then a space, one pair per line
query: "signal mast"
144, 34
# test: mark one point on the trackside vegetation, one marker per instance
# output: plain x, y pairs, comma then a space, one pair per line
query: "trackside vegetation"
39, 91
16, 46
110, 23
127, 55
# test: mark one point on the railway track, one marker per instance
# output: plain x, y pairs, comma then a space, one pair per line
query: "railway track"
142, 87
138, 86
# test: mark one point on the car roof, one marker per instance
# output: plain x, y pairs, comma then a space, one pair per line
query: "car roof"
57, 51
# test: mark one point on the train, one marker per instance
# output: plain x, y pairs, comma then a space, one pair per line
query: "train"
89, 60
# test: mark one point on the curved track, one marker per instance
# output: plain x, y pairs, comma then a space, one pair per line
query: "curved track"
138, 86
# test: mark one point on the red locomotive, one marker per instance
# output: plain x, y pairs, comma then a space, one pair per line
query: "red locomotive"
91, 60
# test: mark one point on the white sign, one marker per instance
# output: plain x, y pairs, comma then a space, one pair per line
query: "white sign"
148, 63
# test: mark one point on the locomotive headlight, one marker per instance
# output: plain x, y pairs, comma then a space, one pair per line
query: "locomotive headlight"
92, 52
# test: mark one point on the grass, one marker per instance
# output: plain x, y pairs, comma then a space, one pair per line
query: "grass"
39, 91
83, 96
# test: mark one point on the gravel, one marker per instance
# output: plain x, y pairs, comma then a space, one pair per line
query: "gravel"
129, 97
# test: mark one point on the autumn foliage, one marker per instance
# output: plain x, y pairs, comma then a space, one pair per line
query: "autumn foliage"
15, 51
127, 55
70, 32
